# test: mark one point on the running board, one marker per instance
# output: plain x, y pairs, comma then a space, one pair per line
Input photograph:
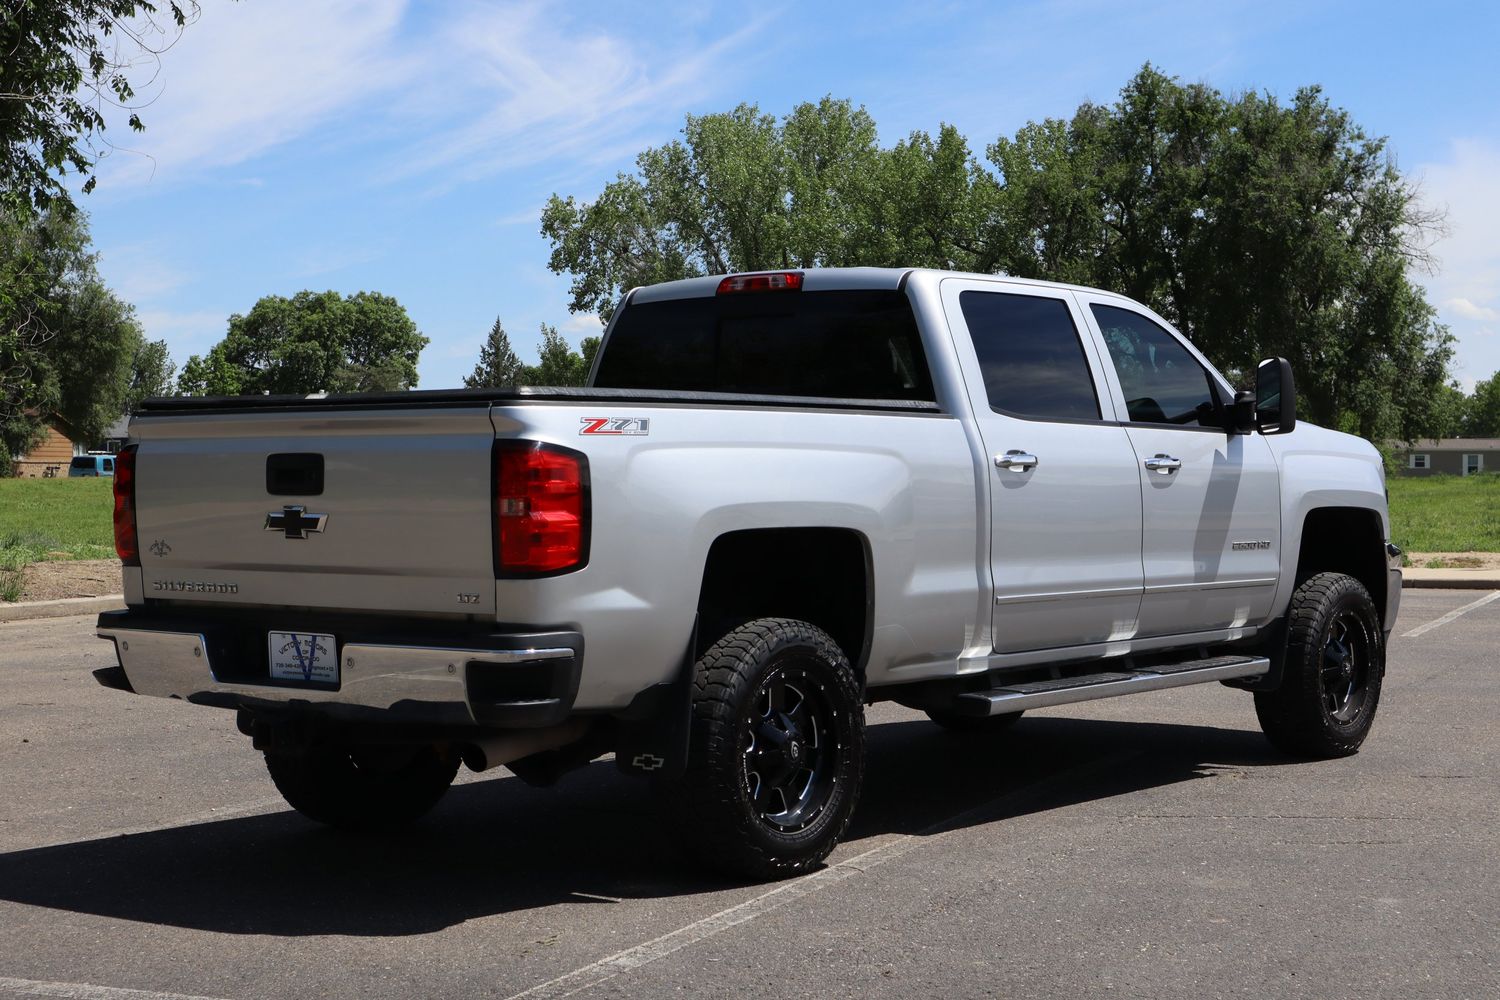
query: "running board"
1066, 690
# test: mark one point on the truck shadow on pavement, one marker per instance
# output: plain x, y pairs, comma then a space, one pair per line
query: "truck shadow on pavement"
499, 846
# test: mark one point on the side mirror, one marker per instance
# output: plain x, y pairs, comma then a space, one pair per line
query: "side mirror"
1275, 396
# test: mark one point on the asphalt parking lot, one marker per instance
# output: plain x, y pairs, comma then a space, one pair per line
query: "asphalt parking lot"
1152, 846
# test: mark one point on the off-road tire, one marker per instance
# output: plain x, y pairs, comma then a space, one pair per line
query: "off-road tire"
1330, 687
977, 724
723, 805
363, 788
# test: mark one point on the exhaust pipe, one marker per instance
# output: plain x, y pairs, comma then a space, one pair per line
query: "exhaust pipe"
492, 751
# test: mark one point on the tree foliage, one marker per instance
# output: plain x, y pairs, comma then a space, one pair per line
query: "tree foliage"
1481, 417
64, 62
311, 342
743, 192
498, 364
1258, 227
67, 343
152, 372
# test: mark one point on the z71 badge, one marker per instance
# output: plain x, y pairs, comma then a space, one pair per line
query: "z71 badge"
615, 425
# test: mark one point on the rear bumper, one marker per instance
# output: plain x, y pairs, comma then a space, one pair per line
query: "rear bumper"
389, 672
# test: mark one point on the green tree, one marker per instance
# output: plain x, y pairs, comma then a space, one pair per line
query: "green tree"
66, 341
1258, 228
744, 192
311, 342
1482, 418
152, 372
498, 364
64, 62
558, 364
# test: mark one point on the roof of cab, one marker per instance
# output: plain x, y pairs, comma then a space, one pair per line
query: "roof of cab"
822, 279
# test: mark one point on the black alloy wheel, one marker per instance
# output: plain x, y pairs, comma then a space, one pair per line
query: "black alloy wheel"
776, 750
791, 748
1332, 670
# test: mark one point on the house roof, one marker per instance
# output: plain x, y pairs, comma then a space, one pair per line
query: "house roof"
119, 429
1470, 445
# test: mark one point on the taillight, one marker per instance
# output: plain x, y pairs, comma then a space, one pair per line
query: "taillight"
779, 281
125, 540
541, 508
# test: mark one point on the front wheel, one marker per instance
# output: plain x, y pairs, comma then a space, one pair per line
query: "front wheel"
1335, 663
776, 752
363, 788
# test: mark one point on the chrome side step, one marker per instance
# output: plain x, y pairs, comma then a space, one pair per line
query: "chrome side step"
1066, 690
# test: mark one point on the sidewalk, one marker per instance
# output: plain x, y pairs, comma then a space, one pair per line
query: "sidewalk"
1454, 579
59, 609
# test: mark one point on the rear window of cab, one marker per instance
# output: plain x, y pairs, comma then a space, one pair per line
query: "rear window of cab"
859, 344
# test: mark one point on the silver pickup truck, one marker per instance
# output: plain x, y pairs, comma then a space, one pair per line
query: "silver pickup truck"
781, 497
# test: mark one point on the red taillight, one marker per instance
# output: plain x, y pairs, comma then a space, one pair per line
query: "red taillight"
125, 541
780, 281
541, 497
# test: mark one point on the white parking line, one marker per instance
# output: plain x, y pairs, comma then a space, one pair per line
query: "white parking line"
643, 954
1420, 629
84, 991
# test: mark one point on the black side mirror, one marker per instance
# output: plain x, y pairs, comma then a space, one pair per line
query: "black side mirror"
1275, 396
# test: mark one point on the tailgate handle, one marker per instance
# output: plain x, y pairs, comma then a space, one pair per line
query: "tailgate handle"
293, 474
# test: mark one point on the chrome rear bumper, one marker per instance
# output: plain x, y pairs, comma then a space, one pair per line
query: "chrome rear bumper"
527, 679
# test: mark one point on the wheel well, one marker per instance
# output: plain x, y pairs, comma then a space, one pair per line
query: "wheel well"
1346, 540
818, 575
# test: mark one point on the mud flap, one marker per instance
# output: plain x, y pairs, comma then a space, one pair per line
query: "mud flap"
653, 731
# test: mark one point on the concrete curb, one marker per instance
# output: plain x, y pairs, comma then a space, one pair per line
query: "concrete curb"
61, 609
1449, 579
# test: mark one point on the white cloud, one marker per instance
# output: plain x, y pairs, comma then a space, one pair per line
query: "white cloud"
1468, 277
138, 272
1468, 310
581, 325
248, 76
482, 88
189, 330
515, 84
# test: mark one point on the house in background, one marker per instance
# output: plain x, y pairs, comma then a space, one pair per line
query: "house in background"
50, 458
1450, 456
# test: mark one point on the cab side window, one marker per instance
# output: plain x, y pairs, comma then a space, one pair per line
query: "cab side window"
1031, 357
1163, 383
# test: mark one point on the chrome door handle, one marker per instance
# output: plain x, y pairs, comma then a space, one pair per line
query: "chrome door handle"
1016, 460
1163, 464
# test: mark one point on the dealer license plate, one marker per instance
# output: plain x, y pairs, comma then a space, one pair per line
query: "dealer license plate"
309, 657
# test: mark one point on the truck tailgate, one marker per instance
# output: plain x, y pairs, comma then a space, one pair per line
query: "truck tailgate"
374, 511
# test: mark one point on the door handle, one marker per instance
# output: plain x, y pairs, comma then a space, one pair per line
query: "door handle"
1163, 465
1016, 460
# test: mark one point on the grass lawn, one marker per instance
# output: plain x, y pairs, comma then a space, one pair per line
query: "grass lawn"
1446, 513
71, 519
52, 519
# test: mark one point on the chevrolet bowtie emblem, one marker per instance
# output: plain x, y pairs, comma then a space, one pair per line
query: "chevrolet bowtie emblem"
295, 521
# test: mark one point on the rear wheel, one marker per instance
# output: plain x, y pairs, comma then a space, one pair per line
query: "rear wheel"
365, 787
1335, 663
776, 751
954, 722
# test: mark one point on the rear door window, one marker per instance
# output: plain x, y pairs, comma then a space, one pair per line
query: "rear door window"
1162, 382
83, 463
837, 344
1031, 356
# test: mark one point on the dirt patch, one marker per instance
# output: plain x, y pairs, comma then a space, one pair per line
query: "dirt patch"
49, 581
1455, 560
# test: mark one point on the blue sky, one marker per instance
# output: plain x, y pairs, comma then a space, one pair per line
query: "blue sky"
407, 147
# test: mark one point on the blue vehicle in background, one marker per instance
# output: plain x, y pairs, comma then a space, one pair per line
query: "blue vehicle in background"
91, 465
